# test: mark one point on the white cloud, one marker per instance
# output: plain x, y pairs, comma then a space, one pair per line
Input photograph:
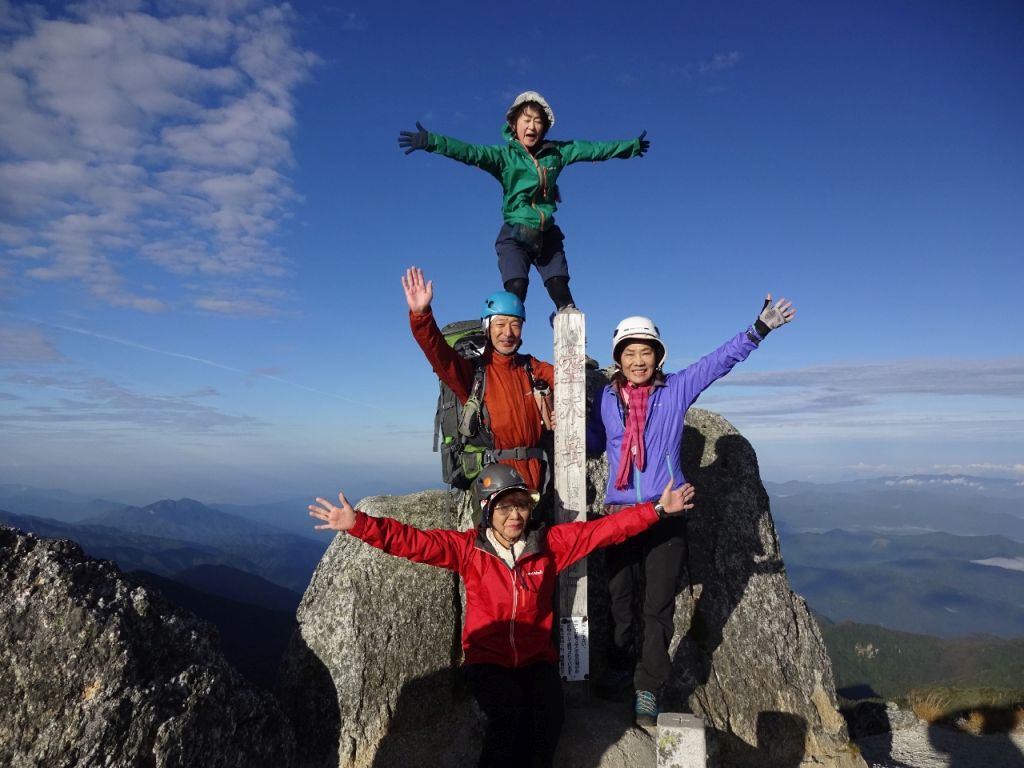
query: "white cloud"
1002, 377
1009, 563
720, 62
353, 22
98, 404
1002, 469
20, 345
916, 482
138, 133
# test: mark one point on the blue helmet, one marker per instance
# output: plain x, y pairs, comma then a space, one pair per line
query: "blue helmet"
503, 303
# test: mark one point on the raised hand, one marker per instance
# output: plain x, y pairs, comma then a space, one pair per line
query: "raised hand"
676, 500
418, 293
335, 518
773, 316
413, 140
645, 144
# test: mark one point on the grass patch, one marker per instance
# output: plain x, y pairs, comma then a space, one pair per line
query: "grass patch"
978, 711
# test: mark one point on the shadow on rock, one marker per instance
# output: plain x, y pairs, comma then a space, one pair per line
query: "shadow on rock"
311, 706
780, 741
993, 748
435, 723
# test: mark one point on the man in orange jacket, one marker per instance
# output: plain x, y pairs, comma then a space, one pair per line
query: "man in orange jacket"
514, 417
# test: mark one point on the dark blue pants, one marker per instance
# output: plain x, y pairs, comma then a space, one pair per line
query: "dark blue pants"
517, 254
524, 710
653, 559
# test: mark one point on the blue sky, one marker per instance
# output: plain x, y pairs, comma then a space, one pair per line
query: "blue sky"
204, 216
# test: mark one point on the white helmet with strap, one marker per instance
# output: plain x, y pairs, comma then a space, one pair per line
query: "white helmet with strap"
638, 328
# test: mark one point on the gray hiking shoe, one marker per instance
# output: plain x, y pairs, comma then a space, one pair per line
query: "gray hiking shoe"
645, 708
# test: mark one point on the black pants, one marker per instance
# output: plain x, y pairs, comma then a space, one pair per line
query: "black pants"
524, 710
653, 558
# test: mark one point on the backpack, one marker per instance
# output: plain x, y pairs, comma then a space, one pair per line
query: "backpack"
466, 442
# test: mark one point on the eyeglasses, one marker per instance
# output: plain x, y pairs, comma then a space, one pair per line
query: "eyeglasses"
508, 507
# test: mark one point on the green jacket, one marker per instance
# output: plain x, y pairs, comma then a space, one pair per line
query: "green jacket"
530, 183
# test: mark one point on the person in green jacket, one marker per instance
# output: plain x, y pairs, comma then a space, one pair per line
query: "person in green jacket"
527, 165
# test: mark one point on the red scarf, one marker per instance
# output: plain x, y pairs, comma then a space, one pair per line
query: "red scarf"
633, 436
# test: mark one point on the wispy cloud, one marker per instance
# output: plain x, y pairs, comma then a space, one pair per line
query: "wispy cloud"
918, 482
21, 345
267, 374
133, 137
900, 398
1002, 469
709, 68
720, 62
859, 381
99, 404
353, 22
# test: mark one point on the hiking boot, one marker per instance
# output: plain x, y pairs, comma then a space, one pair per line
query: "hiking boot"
645, 708
561, 311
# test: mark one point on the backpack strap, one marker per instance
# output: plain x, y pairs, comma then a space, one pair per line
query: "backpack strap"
477, 390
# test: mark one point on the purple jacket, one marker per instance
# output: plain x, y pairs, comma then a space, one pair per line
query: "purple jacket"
663, 432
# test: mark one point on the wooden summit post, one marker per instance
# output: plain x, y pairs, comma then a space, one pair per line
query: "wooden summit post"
571, 487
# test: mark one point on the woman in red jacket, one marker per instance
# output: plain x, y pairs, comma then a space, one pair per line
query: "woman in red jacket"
509, 569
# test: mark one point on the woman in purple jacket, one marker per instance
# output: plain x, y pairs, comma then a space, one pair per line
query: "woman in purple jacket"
638, 421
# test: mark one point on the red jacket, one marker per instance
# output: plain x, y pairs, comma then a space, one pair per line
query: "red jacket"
509, 611
514, 416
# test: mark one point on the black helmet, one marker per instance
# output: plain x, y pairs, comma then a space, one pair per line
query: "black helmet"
493, 480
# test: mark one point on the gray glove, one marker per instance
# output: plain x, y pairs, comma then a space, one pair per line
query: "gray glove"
773, 316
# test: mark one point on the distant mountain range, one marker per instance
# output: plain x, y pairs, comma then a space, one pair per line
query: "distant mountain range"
857, 551
870, 660
57, 504
169, 537
935, 584
958, 504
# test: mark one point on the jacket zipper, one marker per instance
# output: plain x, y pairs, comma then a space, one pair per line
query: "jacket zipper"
542, 176
512, 620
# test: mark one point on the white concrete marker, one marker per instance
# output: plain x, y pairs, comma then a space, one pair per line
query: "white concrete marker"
681, 741
571, 487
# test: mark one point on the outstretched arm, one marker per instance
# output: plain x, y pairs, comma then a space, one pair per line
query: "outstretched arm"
438, 547
578, 151
418, 292
775, 316
570, 542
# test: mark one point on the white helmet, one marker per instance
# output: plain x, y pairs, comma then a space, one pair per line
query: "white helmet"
637, 328
526, 96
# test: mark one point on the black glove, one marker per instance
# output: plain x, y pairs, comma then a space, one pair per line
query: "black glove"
413, 139
645, 144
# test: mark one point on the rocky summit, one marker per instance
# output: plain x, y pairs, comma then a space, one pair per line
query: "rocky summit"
98, 671
371, 676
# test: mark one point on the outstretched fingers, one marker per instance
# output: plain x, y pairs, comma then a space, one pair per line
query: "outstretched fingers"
677, 499
418, 292
321, 511
786, 308
334, 518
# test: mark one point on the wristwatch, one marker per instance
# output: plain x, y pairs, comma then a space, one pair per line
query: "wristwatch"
660, 510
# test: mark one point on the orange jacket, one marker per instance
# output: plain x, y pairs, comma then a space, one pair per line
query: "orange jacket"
514, 416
